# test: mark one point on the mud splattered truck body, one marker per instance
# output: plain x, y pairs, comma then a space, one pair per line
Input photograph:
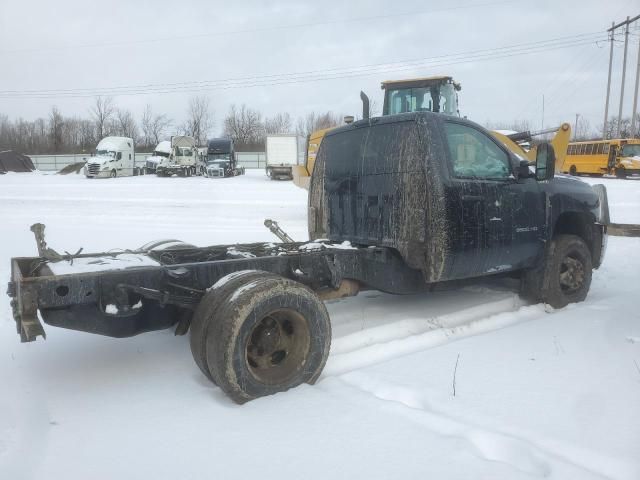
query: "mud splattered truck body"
398, 203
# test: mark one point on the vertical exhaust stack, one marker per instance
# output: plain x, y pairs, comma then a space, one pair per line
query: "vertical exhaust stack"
365, 105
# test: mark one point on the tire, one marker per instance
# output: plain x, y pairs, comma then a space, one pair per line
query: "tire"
573, 171
207, 308
270, 335
564, 275
114, 174
621, 173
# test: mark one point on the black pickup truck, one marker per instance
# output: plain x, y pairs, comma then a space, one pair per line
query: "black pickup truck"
398, 204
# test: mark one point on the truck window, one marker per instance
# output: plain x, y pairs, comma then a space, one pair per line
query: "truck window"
119, 155
473, 154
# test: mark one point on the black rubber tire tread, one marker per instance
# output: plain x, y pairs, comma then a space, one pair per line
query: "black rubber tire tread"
233, 322
206, 309
543, 283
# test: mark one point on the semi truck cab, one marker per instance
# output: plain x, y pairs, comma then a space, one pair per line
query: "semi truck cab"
114, 156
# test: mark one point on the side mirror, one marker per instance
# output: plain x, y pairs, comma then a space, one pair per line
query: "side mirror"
545, 162
523, 169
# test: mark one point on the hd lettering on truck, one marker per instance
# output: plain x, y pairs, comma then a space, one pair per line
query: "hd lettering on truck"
398, 204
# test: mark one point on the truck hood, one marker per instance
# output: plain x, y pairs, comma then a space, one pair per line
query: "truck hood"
571, 193
631, 163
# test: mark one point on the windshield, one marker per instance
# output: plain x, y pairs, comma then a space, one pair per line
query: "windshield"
160, 154
105, 153
631, 151
219, 158
425, 99
183, 152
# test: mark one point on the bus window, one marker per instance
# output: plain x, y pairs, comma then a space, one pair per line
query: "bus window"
606, 148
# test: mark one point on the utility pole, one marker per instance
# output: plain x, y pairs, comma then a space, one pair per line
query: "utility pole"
612, 31
624, 71
634, 111
575, 127
606, 103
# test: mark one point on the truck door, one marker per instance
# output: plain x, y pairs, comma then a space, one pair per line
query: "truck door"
494, 219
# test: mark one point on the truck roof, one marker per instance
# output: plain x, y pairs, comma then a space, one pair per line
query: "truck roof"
416, 82
164, 147
222, 145
115, 143
183, 141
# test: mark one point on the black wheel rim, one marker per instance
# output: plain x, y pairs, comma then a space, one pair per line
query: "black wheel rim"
572, 274
278, 347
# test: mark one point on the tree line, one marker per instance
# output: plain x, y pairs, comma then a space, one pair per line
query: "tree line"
58, 133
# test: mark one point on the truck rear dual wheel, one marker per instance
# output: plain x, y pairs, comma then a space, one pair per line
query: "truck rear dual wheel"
268, 335
564, 276
217, 294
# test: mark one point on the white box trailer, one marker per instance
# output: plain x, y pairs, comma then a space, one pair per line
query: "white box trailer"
182, 160
114, 157
282, 155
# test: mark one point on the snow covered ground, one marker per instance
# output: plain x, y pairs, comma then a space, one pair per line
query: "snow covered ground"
537, 394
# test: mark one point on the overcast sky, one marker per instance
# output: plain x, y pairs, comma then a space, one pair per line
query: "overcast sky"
81, 47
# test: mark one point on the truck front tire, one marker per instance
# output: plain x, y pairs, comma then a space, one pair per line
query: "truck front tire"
564, 276
271, 334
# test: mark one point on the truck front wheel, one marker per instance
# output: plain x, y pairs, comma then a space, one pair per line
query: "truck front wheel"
271, 334
114, 174
564, 276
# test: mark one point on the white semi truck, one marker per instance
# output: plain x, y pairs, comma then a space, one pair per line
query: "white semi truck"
162, 150
114, 157
182, 160
282, 155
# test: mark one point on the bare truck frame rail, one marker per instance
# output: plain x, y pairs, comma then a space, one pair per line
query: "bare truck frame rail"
126, 293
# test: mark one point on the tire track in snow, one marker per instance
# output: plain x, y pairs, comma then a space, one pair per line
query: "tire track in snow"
387, 342
524, 451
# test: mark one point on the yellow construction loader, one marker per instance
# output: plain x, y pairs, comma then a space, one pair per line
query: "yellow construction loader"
432, 94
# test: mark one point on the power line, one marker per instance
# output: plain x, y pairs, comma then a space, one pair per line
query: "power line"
317, 75
260, 29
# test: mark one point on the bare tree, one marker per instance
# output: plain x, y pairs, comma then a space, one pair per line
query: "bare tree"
279, 123
126, 125
612, 128
55, 129
244, 125
199, 119
102, 112
582, 130
153, 126
317, 121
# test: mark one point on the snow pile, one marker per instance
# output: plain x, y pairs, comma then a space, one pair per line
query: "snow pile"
538, 393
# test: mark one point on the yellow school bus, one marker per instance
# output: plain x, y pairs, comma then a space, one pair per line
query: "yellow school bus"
619, 157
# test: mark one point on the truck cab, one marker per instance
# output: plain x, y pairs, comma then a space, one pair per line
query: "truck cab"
182, 159
450, 198
162, 151
114, 157
220, 160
